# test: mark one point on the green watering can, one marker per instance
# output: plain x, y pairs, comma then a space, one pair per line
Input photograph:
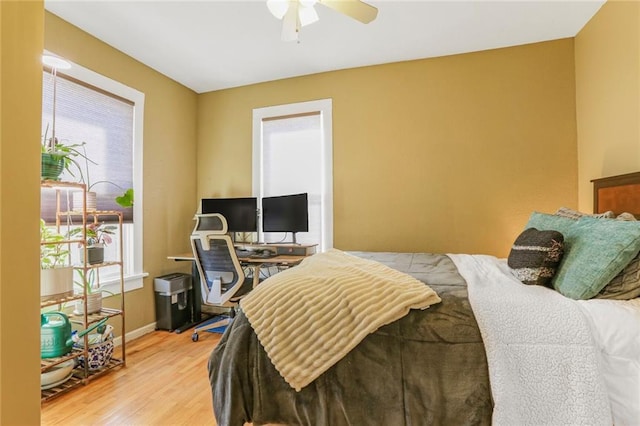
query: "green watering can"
56, 338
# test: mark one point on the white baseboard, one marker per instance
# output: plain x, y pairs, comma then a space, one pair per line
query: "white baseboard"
132, 335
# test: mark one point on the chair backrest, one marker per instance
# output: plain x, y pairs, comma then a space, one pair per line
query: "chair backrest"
221, 275
211, 222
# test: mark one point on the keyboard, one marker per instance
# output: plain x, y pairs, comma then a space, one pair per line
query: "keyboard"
262, 255
244, 253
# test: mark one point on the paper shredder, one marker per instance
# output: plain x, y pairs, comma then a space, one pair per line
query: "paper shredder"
173, 300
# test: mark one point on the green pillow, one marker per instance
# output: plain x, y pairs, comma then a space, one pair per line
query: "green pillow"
596, 250
550, 222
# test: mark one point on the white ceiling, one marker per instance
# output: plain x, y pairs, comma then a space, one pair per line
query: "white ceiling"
211, 44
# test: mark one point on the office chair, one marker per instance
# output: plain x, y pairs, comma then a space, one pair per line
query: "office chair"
222, 280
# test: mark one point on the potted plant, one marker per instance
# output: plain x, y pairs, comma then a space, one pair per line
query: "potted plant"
98, 235
56, 276
124, 200
89, 285
56, 157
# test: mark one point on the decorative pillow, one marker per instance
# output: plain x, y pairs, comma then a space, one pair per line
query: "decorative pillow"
625, 285
575, 214
535, 256
626, 216
595, 252
550, 222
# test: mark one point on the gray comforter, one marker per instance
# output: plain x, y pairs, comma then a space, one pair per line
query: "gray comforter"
428, 368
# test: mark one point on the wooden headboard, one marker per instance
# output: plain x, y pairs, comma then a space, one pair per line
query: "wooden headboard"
617, 193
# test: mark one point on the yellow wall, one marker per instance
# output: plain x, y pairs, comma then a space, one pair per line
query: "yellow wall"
21, 29
168, 155
608, 95
446, 155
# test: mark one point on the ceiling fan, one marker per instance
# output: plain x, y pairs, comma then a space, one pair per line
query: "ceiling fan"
295, 14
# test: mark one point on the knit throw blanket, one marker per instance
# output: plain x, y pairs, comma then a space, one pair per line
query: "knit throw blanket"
310, 316
544, 365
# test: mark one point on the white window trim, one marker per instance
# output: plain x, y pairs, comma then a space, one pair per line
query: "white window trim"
134, 280
325, 108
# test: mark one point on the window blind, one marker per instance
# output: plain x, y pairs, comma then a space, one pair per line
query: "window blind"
105, 122
292, 149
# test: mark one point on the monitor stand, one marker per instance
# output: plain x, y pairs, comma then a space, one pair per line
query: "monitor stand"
241, 237
283, 241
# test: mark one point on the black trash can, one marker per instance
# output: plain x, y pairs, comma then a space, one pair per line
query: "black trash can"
173, 300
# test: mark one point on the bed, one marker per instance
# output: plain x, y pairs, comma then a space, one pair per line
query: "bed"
490, 350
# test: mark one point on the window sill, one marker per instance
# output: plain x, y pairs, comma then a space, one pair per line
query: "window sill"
131, 282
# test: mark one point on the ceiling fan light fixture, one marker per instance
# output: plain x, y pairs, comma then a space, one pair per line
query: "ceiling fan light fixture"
291, 22
278, 8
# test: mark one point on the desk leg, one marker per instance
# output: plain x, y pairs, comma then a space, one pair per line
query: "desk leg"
197, 294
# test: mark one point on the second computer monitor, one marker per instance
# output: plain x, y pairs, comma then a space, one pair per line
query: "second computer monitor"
286, 213
241, 213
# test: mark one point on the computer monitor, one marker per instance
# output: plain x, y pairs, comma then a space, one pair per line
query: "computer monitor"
286, 213
241, 213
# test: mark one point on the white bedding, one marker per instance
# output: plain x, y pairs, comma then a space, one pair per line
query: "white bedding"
553, 360
615, 326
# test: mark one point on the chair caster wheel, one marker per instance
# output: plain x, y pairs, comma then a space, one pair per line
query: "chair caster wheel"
194, 337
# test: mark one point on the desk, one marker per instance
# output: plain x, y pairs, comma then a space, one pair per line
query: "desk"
255, 263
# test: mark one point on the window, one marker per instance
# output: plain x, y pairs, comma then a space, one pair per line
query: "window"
107, 117
103, 124
292, 153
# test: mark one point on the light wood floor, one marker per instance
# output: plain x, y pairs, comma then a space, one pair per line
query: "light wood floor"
165, 382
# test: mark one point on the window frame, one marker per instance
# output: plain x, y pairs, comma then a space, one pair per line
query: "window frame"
325, 108
133, 280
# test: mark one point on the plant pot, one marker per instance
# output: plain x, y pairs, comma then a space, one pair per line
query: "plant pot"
95, 254
56, 283
94, 304
51, 166
99, 354
76, 199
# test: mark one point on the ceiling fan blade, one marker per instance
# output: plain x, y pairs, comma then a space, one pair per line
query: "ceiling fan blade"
355, 9
291, 23
278, 8
307, 15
